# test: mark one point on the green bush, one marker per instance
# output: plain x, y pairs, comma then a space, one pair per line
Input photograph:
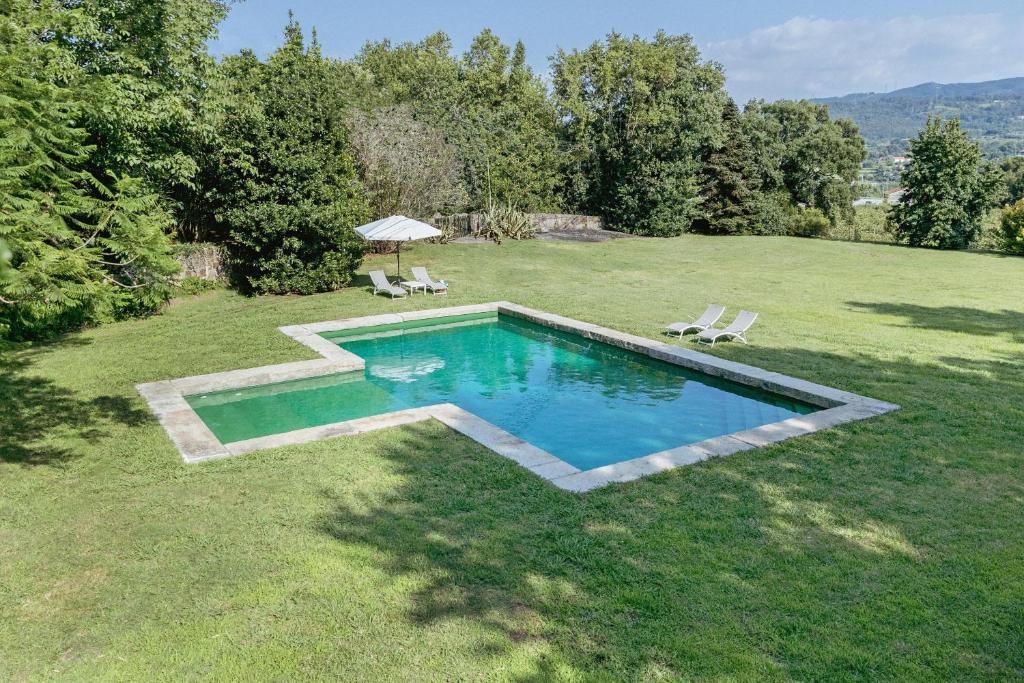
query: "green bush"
774, 214
191, 285
1011, 228
809, 223
504, 221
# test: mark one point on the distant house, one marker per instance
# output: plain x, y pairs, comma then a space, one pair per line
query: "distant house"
895, 195
868, 201
901, 160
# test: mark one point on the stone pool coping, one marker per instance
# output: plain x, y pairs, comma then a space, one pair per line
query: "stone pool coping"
196, 443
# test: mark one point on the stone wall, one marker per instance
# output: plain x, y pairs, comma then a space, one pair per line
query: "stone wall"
202, 261
545, 222
461, 224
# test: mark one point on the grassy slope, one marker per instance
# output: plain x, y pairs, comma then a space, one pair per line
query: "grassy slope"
891, 548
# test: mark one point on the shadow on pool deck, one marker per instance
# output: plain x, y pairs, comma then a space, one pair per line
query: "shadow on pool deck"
825, 557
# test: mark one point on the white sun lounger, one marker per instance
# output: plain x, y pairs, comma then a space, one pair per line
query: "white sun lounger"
706, 320
419, 273
381, 285
736, 330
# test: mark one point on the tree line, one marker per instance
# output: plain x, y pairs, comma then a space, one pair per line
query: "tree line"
121, 135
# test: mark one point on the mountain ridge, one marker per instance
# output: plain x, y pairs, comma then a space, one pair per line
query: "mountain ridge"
1001, 86
992, 112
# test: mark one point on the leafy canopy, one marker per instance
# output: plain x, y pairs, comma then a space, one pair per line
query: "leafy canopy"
1012, 169
638, 117
810, 155
948, 190
488, 104
1011, 228
288, 189
83, 246
148, 69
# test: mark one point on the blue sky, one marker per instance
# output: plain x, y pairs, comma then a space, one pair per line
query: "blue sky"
786, 48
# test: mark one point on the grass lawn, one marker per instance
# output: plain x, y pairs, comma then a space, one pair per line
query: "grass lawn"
886, 549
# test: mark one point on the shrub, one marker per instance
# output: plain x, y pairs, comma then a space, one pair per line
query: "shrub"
774, 214
192, 285
501, 221
809, 223
1011, 228
448, 231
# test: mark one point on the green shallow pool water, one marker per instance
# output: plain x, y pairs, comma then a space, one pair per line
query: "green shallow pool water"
585, 402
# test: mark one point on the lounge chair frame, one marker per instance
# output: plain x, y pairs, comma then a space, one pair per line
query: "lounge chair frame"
737, 329
419, 273
709, 317
385, 286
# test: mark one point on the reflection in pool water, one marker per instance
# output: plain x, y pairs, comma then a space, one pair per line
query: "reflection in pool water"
585, 402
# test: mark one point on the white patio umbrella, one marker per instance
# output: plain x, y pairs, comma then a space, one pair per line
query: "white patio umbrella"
397, 229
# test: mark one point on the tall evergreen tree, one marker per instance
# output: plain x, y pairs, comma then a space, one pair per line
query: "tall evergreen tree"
948, 189
290, 197
731, 190
510, 145
83, 246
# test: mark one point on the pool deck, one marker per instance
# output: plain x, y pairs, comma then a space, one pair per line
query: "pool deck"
196, 442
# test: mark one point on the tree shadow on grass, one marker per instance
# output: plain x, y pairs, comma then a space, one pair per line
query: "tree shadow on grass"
38, 416
855, 553
952, 318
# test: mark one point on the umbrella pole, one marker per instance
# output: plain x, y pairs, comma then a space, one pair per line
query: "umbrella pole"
398, 252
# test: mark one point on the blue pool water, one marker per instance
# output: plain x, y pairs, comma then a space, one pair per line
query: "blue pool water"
585, 402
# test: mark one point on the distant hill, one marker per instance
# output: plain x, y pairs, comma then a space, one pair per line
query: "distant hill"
991, 111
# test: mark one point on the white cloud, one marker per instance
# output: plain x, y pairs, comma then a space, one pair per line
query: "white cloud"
809, 57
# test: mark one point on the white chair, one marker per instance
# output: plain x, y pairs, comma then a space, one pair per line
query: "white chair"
706, 320
419, 273
736, 330
382, 286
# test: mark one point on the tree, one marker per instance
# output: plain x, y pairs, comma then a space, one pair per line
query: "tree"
289, 195
731, 191
1012, 169
83, 246
1011, 228
488, 104
947, 189
819, 157
5, 261
638, 117
406, 165
148, 69
509, 134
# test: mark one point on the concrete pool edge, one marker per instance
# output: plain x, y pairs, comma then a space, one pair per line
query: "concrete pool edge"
196, 443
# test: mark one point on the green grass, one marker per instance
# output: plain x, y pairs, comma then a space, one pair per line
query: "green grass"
886, 549
869, 226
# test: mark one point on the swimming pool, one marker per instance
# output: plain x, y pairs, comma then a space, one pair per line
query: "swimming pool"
585, 402
575, 403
